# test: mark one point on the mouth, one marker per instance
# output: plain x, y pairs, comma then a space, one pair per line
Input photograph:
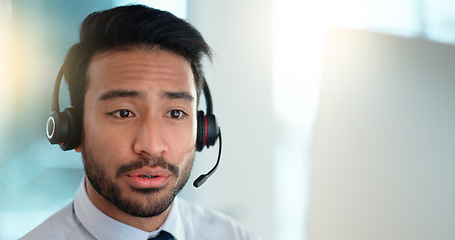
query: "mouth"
147, 172
148, 177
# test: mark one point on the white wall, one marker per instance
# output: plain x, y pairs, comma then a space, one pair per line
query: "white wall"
240, 80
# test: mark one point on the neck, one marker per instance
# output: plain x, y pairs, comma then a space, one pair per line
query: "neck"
145, 224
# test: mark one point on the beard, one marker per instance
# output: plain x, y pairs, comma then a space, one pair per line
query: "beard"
144, 203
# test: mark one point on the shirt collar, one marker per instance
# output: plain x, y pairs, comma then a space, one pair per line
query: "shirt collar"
102, 226
173, 223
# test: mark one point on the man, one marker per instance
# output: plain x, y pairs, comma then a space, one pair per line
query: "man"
135, 79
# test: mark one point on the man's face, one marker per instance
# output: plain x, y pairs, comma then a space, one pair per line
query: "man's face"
139, 128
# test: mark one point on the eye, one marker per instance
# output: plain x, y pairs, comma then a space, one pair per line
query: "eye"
176, 114
123, 113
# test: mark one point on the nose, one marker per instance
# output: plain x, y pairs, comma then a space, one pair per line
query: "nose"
150, 138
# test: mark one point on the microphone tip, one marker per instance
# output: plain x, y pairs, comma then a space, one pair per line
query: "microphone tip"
200, 180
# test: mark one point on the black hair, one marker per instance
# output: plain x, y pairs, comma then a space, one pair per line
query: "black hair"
130, 27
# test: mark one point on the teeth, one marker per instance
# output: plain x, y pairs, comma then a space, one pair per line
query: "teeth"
146, 176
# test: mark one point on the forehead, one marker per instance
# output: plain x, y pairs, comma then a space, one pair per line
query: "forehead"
136, 67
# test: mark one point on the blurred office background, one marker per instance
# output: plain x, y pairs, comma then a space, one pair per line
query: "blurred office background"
265, 83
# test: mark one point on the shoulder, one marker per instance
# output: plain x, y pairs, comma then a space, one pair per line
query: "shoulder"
211, 224
61, 225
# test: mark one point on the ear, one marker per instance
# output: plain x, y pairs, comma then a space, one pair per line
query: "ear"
78, 148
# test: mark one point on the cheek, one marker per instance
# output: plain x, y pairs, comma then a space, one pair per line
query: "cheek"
104, 141
183, 143
184, 134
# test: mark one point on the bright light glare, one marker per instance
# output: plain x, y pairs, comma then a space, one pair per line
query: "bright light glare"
299, 29
6, 78
298, 33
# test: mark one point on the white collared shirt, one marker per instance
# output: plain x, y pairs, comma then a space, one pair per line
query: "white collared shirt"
186, 221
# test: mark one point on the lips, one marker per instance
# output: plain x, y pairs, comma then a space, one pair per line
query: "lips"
148, 177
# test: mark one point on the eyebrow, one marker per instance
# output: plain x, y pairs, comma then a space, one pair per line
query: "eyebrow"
177, 95
121, 94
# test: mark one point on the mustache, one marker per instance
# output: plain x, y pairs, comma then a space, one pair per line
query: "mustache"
148, 162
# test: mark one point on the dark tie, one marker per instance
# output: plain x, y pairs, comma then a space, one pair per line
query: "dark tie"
163, 236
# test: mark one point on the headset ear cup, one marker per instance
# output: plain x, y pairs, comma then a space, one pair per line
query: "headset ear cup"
200, 137
73, 138
212, 130
207, 130
64, 129
57, 127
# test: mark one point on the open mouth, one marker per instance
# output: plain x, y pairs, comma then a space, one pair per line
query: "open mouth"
147, 176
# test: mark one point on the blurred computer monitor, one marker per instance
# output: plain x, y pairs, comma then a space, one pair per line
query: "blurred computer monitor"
384, 143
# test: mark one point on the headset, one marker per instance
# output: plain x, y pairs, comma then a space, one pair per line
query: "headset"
65, 127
